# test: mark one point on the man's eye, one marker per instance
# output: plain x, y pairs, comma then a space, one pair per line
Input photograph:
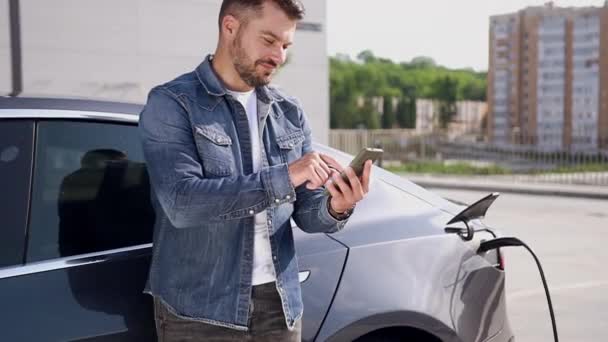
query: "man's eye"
268, 41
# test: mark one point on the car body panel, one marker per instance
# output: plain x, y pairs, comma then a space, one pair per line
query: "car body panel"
94, 297
324, 258
430, 283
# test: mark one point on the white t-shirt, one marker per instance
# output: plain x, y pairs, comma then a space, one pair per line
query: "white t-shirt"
263, 268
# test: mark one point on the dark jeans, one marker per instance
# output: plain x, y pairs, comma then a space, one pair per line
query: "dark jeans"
266, 322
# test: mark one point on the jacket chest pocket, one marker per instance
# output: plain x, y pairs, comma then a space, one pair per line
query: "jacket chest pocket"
215, 151
290, 145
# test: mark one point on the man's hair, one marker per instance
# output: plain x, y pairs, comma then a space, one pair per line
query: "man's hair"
292, 8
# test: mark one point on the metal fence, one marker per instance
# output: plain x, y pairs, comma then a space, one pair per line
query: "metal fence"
527, 163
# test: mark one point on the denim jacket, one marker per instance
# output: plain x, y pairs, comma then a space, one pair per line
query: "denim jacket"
197, 146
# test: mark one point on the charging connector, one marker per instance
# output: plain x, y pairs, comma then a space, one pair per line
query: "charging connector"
515, 242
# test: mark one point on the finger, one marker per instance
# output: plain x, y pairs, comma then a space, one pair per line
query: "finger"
333, 174
312, 185
333, 190
356, 187
322, 173
344, 187
314, 181
350, 173
324, 165
367, 170
331, 162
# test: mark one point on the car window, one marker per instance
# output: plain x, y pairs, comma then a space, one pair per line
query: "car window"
90, 190
16, 139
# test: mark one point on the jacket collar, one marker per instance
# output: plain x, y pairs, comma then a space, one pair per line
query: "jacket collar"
213, 86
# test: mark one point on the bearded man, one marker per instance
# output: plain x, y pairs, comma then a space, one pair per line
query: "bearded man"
230, 160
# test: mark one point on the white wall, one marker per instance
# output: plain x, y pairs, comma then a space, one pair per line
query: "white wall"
118, 50
307, 74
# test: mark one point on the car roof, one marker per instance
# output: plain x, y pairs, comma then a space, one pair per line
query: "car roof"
91, 105
69, 108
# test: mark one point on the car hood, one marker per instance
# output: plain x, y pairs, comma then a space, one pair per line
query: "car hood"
387, 214
394, 209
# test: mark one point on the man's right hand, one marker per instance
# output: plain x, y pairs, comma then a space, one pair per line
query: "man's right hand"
314, 169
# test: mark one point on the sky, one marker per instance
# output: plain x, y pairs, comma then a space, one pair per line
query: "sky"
453, 33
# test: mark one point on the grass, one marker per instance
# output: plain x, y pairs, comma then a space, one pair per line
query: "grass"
448, 169
591, 167
463, 168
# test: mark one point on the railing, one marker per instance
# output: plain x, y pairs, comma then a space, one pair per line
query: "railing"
398, 144
522, 162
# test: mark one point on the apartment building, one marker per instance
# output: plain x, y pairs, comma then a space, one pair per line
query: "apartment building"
545, 83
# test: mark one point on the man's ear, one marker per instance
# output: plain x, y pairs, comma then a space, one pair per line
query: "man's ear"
230, 26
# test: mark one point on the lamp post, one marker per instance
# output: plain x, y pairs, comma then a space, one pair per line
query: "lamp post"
15, 37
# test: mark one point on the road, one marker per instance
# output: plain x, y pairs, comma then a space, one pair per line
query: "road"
570, 236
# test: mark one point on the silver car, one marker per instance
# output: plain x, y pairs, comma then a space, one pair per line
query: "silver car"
75, 243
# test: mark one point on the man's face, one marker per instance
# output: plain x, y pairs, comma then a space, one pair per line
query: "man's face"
260, 46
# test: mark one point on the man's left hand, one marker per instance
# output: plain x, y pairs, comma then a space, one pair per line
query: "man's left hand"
345, 196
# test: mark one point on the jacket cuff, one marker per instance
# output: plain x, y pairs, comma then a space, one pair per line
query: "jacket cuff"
278, 185
328, 219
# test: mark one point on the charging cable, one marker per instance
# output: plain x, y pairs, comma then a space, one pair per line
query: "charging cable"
515, 242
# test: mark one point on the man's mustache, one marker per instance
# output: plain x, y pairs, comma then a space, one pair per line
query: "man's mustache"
268, 61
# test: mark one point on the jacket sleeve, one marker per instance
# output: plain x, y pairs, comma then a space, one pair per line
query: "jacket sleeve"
311, 211
176, 174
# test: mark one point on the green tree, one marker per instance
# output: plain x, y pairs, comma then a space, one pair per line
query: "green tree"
406, 112
370, 77
370, 118
446, 91
366, 56
388, 113
423, 62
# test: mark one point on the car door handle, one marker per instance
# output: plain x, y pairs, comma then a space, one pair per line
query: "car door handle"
76, 261
303, 276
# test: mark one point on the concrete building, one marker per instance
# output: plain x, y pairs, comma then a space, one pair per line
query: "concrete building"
468, 119
544, 83
427, 115
118, 50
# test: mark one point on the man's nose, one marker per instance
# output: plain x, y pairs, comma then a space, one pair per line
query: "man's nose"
279, 55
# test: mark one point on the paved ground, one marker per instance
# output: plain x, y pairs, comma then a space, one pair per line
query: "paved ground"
569, 235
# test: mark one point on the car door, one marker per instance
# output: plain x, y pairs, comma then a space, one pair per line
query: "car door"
321, 261
88, 240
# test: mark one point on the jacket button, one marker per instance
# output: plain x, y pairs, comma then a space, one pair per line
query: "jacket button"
269, 222
251, 212
276, 200
287, 197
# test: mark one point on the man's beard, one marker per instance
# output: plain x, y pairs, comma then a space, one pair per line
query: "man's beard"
246, 68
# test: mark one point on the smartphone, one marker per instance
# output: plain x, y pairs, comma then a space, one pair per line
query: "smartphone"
364, 155
358, 162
